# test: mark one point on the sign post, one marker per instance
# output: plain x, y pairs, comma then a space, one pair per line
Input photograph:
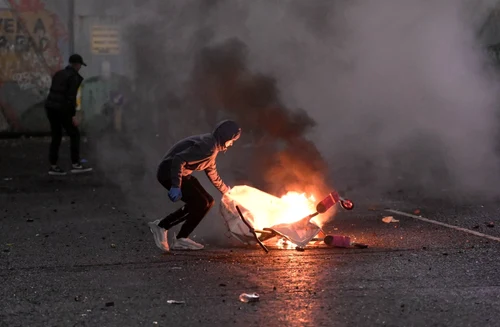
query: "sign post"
105, 40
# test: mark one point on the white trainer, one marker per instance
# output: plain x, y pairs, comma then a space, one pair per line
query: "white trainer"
186, 244
160, 235
79, 169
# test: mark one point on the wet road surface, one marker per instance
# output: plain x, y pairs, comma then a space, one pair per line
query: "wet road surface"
76, 251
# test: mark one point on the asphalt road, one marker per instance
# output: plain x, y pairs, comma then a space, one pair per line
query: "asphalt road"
76, 251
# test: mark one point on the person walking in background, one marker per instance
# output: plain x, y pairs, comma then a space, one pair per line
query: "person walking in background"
60, 108
195, 153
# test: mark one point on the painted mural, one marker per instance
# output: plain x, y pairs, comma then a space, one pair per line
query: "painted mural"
105, 102
33, 44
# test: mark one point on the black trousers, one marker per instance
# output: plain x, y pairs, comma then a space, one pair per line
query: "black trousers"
197, 203
60, 120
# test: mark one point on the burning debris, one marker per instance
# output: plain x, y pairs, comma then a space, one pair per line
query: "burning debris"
249, 297
253, 216
389, 219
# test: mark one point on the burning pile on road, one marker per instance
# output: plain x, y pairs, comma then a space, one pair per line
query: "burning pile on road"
294, 218
279, 156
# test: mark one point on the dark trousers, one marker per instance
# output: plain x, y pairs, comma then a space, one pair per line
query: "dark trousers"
60, 120
197, 204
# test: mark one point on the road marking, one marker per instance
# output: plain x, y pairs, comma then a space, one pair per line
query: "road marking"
445, 225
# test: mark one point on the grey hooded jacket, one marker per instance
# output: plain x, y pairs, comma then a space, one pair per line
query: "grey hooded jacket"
199, 153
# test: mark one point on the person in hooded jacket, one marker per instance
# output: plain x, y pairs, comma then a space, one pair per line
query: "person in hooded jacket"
194, 153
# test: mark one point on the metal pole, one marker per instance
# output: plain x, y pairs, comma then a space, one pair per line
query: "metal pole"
71, 26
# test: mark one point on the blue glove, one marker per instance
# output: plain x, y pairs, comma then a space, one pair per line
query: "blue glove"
175, 194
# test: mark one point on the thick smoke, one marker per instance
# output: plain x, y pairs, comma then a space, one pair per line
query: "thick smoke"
411, 103
370, 95
281, 157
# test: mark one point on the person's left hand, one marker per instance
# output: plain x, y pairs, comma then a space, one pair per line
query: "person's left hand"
175, 194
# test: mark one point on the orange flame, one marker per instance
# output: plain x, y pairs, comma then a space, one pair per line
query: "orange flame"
268, 210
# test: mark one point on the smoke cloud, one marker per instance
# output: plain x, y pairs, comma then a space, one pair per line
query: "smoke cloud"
282, 158
367, 95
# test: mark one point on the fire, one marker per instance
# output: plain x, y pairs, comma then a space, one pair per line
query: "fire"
266, 210
295, 219
284, 244
299, 205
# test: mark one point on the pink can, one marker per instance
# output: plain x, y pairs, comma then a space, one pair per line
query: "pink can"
339, 241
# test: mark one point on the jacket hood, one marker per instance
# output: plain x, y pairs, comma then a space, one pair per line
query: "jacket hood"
225, 131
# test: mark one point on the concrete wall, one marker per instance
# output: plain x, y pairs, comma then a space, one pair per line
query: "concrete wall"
37, 36
36, 39
98, 38
33, 45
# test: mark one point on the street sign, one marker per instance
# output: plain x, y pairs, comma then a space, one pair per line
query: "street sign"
105, 40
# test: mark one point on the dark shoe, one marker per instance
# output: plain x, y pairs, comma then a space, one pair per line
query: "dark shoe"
79, 169
56, 171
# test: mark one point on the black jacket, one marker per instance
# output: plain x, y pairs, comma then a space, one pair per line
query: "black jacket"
63, 90
199, 153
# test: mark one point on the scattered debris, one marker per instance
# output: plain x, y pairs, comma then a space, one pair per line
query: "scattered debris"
417, 211
359, 245
110, 304
175, 302
113, 245
340, 241
222, 285
235, 205
246, 297
7, 179
475, 226
274, 288
490, 224
29, 220
389, 219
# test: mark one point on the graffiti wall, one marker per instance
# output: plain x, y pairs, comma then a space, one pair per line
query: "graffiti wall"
33, 45
103, 101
